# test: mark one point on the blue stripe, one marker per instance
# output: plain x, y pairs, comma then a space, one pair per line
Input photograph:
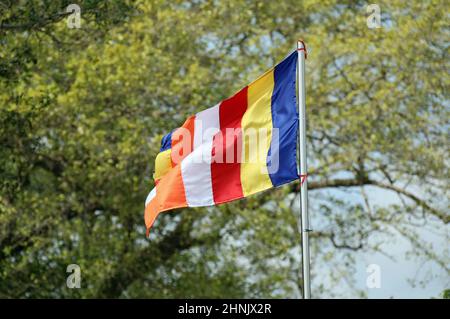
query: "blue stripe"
285, 118
166, 142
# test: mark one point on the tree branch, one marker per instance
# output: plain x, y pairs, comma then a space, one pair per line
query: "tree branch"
353, 182
35, 25
332, 184
444, 217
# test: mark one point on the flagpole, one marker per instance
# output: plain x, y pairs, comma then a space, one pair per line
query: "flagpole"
301, 49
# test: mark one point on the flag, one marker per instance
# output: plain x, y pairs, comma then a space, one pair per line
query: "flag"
243, 145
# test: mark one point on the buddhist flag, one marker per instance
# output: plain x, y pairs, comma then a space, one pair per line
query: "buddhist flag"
243, 145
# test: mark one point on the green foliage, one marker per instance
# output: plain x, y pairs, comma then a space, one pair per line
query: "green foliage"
82, 112
446, 294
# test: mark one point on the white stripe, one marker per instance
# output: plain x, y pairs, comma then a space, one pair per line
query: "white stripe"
196, 167
150, 196
206, 125
196, 173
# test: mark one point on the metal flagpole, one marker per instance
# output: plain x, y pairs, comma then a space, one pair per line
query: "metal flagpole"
301, 49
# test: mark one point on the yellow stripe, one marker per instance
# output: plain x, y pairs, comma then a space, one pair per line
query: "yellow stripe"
163, 164
256, 135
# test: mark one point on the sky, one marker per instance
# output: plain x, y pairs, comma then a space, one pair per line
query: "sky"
395, 275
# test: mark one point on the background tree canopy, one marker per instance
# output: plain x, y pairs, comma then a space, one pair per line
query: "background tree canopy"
82, 112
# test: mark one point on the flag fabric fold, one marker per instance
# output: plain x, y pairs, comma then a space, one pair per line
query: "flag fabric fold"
243, 145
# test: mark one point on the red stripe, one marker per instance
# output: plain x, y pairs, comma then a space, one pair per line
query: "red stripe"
225, 176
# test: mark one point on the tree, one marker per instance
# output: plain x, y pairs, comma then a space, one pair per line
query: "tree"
83, 110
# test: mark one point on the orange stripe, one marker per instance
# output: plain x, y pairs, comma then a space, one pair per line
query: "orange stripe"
170, 194
183, 141
150, 214
170, 190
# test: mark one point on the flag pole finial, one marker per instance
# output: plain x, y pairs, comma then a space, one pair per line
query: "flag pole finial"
301, 46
